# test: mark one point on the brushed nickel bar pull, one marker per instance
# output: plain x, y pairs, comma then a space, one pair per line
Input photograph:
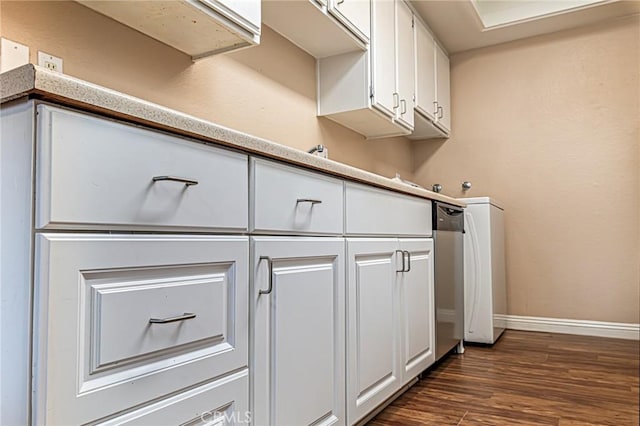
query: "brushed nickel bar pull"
187, 182
308, 200
270, 288
183, 317
403, 264
408, 260
440, 111
403, 106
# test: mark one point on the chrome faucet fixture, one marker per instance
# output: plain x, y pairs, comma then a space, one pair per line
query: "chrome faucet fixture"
320, 151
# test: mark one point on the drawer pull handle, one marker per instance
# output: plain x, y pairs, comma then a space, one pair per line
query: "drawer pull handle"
183, 317
401, 253
187, 182
308, 200
408, 260
270, 288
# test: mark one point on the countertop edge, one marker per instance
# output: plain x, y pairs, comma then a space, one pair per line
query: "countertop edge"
31, 80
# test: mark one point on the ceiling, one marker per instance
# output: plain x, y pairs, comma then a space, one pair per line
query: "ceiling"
462, 25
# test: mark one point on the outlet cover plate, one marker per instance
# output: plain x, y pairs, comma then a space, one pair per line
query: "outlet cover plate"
50, 62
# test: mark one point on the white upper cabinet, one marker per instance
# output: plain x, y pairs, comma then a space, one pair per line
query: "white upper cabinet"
372, 92
383, 70
433, 104
443, 95
425, 72
196, 27
393, 62
354, 14
405, 64
321, 28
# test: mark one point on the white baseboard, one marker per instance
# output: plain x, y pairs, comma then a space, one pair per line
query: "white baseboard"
617, 330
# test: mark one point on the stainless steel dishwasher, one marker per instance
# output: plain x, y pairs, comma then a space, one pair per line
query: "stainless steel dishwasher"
448, 226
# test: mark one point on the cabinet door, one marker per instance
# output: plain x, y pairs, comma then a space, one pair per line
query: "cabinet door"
383, 69
425, 71
354, 14
298, 302
443, 95
373, 361
96, 349
405, 65
416, 300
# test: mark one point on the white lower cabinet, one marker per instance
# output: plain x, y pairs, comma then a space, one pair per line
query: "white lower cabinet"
416, 301
223, 402
390, 322
299, 331
121, 320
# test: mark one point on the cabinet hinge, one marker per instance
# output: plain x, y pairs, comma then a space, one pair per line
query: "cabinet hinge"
371, 92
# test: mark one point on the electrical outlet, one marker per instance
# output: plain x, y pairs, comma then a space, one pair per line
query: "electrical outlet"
12, 55
50, 62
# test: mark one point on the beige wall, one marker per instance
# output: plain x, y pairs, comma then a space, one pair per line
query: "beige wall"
550, 127
267, 91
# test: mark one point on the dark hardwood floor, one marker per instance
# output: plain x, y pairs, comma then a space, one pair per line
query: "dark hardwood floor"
527, 378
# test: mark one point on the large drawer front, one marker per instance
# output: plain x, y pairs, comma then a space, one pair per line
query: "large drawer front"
223, 402
96, 173
372, 211
104, 309
290, 200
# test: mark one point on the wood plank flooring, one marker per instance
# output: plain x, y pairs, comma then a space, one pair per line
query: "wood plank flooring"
527, 378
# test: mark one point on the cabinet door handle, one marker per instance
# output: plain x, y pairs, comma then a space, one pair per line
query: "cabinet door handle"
408, 260
270, 262
403, 264
396, 100
183, 317
440, 112
403, 107
187, 182
340, 2
308, 200
435, 112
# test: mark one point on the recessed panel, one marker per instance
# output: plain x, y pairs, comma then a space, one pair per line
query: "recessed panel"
303, 341
375, 323
146, 312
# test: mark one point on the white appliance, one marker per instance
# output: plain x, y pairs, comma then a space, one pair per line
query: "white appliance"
485, 295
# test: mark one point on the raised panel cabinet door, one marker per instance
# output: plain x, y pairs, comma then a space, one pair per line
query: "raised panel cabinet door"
405, 63
354, 14
443, 95
416, 300
373, 340
425, 71
299, 331
121, 320
382, 50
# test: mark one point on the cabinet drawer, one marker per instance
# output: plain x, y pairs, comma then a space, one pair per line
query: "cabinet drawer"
372, 211
96, 173
289, 200
99, 353
225, 401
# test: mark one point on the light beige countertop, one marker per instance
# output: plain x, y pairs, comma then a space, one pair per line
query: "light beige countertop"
39, 83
